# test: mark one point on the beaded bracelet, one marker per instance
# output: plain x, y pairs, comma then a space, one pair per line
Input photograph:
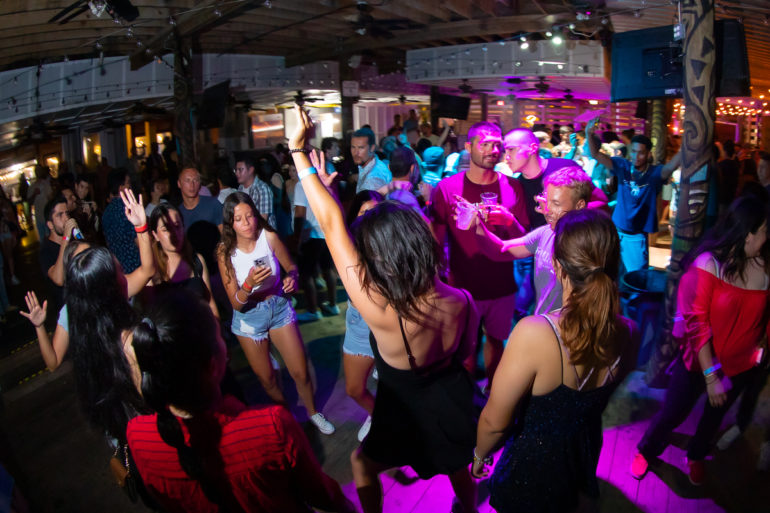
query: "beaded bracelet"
485, 461
298, 150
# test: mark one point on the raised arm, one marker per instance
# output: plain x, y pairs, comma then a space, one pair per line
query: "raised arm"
593, 148
136, 215
56, 271
207, 280
52, 352
329, 215
671, 166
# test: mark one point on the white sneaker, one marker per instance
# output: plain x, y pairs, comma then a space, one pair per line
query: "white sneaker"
728, 438
763, 463
364, 428
323, 425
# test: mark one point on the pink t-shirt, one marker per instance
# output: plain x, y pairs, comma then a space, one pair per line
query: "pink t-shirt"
469, 268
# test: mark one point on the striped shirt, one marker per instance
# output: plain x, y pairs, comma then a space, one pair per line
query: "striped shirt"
267, 460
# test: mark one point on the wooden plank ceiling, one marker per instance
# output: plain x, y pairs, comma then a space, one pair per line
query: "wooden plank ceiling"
309, 30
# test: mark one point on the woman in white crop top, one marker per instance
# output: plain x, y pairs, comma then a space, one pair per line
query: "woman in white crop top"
250, 259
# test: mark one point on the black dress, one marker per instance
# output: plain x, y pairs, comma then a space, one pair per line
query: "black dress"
424, 417
552, 453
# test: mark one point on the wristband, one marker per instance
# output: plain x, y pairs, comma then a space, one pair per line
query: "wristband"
712, 369
298, 150
141, 229
302, 173
247, 288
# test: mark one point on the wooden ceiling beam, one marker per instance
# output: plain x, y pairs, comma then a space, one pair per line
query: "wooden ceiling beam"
436, 31
404, 11
434, 9
486, 6
460, 7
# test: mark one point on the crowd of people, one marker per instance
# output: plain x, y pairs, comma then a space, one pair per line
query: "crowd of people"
443, 254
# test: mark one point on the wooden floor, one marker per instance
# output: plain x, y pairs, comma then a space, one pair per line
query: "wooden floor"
61, 463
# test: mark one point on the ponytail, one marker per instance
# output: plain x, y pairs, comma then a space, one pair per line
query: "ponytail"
588, 319
587, 248
174, 354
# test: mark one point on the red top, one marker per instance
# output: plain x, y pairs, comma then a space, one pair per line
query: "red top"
267, 459
469, 268
734, 319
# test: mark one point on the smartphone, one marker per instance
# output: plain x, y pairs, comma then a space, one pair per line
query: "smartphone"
262, 262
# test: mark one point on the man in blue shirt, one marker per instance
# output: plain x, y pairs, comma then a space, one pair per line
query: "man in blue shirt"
372, 173
639, 183
202, 215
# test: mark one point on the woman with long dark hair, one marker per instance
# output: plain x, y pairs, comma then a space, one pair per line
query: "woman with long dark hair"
250, 259
722, 321
53, 350
559, 369
174, 258
422, 330
201, 452
357, 356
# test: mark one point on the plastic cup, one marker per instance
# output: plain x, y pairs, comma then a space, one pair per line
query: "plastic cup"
489, 198
465, 213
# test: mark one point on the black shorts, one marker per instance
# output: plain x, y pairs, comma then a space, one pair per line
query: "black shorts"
314, 254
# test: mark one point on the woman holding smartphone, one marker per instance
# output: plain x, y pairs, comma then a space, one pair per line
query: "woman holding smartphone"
250, 259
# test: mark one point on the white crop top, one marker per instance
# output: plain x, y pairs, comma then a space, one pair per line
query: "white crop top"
243, 262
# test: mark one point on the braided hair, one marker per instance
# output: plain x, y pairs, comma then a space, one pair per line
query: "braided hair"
175, 346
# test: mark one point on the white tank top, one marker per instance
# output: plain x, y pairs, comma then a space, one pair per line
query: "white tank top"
243, 263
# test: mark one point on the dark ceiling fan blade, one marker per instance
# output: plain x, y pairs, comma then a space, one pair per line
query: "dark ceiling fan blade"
74, 15
66, 10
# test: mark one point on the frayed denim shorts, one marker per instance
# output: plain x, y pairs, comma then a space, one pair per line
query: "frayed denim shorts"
272, 313
356, 341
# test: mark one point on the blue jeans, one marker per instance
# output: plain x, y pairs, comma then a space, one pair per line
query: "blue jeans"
634, 254
524, 276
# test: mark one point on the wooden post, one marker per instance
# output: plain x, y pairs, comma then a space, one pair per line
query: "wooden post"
183, 100
658, 130
484, 100
697, 162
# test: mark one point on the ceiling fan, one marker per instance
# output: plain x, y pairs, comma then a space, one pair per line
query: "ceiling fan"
300, 99
365, 24
466, 88
38, 131
122, 9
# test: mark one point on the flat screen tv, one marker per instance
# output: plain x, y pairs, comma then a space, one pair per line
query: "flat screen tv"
449, 106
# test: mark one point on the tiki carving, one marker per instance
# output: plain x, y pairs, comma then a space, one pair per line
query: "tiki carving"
697, 162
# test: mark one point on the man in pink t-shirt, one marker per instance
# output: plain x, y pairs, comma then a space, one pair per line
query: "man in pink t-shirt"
489, 281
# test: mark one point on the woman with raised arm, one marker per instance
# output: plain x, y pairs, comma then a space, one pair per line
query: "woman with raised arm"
53, 351
556, 376
422, 331
250, 259
202, 452
174, 258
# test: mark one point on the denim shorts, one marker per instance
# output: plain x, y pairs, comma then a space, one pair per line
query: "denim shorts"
272, 313
356, 334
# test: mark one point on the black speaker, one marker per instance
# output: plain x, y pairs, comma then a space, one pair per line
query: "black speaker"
732, 59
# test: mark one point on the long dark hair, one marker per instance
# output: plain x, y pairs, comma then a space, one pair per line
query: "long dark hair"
226, 248
726, 240
587, 248
399, 256
163, 212
175, 346
98, 313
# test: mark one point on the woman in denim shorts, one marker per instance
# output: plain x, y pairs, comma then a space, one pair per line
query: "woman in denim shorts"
250, 259
357, 356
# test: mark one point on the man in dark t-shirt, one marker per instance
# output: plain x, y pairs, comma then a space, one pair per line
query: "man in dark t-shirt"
490, 282
56, 218
522, 156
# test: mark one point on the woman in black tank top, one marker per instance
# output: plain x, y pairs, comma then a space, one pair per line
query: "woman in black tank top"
424, 414
176, 264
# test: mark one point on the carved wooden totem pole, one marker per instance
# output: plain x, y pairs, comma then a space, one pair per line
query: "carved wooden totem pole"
697, 161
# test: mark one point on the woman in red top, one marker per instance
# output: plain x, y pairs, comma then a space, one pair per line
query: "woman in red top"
200, 452
722, 322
